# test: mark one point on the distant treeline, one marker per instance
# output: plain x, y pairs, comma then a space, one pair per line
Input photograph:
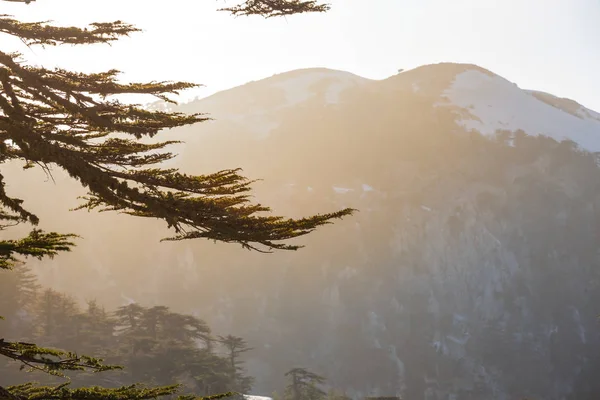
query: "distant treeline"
155, 345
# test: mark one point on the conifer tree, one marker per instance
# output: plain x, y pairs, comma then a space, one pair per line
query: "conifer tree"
276, 8
18, 292
75, 121
57, 318
304, 385
236, 346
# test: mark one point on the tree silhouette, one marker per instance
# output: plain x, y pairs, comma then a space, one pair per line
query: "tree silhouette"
236, 346
76, 122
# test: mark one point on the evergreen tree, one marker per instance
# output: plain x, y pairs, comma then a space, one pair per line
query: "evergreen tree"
159, 345
74, 121
97, 331
57, 319
236, 346
209, 372
304, 385
276, 8
18, 291
95, 335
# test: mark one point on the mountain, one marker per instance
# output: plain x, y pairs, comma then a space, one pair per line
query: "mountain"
470, 272
488, 101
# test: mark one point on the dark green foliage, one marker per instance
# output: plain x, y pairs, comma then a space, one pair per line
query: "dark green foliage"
75, 121
37, 244
30, 391
304, 385
276, 8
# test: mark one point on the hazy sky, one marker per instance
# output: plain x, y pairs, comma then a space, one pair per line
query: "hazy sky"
548, 45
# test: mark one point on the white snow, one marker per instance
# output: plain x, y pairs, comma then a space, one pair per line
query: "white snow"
367, 188
581, 328
461, 341
496, 103
426, 208
458, 318
252, 397
341, 190
375, 321
298, 88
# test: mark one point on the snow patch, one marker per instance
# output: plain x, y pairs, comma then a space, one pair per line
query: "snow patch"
461, 341
367, 188
297, 89
458, 318
581, 329
341, 190
252, 397
499, 104
375, 321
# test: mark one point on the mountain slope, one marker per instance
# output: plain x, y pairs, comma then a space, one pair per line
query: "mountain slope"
471, 269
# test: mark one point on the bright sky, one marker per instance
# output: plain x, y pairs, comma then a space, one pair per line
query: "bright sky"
548, 45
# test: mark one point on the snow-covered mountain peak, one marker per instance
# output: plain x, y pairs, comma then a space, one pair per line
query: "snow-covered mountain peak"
484, 101
300, 85
494, 103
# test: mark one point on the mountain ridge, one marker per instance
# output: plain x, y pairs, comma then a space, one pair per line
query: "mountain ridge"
416, 71
486, 101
